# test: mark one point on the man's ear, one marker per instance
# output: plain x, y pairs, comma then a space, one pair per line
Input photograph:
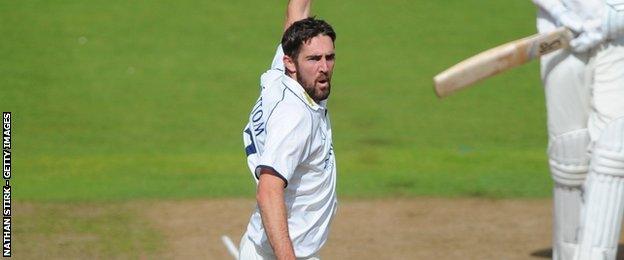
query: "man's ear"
289, 64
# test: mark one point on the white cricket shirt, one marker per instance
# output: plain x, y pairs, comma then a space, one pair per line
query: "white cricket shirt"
289, 132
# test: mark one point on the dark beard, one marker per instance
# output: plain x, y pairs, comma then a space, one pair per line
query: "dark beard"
311, 90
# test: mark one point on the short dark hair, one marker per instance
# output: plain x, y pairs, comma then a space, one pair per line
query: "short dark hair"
302, 31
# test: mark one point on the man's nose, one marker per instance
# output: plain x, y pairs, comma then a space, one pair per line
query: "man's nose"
323, 67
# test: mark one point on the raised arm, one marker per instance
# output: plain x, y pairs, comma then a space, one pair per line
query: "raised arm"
296, 10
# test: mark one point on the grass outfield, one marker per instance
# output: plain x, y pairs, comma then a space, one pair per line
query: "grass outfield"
117, 100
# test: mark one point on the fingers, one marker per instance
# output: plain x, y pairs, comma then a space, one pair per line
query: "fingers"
590, 37
586, 41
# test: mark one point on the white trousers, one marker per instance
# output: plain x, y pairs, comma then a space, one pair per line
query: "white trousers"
584, 90
249, 251
584, 94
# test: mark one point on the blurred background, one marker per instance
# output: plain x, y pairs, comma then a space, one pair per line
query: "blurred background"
123, 103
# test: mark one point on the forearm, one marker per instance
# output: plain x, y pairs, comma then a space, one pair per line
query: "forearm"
274, 218
552, 7
561, 15
296, 10
546, 4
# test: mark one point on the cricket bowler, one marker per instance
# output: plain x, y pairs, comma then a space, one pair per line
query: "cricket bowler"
288, 142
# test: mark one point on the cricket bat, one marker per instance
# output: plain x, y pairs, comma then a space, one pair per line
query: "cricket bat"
499, 59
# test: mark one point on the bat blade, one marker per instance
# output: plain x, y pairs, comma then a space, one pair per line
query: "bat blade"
499, 59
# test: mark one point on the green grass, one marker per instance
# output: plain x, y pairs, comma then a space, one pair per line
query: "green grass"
118, 100
85, 231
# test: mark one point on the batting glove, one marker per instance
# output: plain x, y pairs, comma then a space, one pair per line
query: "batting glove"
591, 35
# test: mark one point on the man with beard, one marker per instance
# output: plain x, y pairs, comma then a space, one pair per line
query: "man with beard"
288, 142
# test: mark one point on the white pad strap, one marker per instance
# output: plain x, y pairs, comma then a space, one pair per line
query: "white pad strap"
568, 157
613, 25
608, 162
609, 150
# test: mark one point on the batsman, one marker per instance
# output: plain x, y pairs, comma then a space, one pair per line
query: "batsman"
584, 87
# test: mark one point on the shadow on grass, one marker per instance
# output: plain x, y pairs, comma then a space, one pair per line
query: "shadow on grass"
547, 253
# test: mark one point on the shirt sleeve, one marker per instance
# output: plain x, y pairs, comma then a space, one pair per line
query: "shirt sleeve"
288, 135
278, 61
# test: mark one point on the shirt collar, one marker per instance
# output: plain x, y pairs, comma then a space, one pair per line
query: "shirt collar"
296, 88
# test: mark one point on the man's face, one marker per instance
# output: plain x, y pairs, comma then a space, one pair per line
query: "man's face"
314, 66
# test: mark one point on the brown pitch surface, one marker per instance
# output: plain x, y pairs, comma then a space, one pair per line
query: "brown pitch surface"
403, 228
409, 228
